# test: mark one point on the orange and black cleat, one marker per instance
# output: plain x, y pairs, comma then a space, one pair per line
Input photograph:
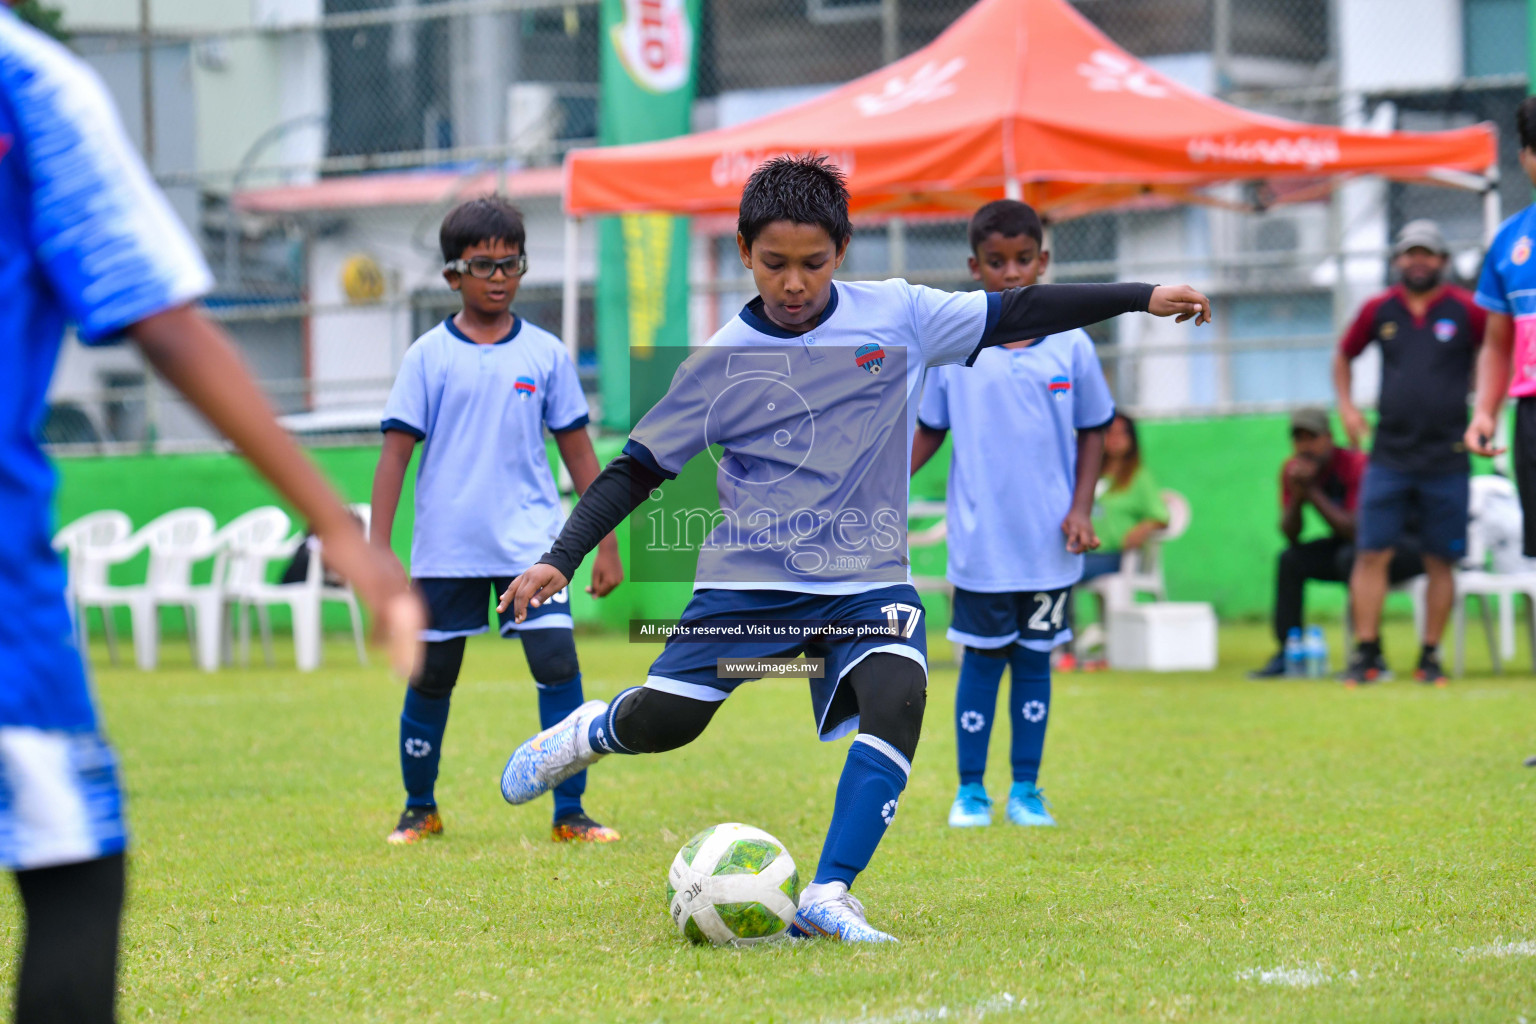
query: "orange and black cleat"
578, 828
416, 824
1429, 670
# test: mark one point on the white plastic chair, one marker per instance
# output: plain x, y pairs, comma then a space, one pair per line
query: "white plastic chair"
1494, 569
259, 529
1141, 571
177, 541
89, 545
305, 600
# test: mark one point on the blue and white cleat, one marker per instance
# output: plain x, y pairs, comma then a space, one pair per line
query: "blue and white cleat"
1028, 806
972, 807
551, 757
838, 917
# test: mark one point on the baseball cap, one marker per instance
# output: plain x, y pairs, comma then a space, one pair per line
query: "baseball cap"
1420, 234
1313, 419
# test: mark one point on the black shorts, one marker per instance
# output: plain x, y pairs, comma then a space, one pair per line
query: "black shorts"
1524, 458
461, 606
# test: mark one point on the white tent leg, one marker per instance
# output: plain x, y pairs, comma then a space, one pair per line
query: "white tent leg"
1493, 205
570, 308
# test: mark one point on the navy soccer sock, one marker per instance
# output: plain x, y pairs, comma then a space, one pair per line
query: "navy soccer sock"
975, 706
556, 700
867, 794
421, 746
1030, 710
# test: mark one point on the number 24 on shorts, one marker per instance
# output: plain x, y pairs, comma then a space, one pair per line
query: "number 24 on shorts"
1050, 612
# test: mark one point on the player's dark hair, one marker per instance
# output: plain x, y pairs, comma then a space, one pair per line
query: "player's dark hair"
489, 218
1525, 122
1127, 465
799, 189
1007, 217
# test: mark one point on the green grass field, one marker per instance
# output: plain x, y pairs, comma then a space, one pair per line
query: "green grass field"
1227, 851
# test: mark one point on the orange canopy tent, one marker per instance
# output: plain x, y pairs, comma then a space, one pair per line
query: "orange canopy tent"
1021, 98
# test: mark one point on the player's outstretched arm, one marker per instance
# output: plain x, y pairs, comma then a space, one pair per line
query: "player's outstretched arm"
581, 460
1037, 310
196, 357
618, 490
925, 444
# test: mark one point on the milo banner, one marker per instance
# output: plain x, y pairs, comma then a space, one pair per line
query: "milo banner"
648, 59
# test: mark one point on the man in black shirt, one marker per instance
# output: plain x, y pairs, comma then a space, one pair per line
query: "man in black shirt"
1429, 333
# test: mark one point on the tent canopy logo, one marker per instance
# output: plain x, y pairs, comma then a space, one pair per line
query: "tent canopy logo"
1107, 71
930, 82
655, 43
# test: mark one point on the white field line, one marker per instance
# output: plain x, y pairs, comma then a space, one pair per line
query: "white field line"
1292, 977
1502, 949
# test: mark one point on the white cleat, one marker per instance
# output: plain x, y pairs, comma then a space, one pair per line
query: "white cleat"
840, 917
554, 755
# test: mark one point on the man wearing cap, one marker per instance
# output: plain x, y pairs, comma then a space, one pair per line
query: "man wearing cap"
1429, 333
1321, 474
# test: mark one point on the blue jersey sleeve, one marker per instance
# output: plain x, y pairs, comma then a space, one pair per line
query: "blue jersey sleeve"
407, 408
1492, 292
933, 408
1093, 406
107, 240
949, 325
675, 429
565, 407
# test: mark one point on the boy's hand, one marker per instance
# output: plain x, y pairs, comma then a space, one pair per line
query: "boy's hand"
607, 570
1479, 439
380, 581
1079, 530
533, 588
1181, 302
1355, 427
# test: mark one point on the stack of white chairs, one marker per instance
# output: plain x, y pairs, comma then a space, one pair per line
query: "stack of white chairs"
242, 553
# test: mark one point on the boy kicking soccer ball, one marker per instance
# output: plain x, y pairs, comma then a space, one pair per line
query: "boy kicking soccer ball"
1016, 527
812, 484
477, 391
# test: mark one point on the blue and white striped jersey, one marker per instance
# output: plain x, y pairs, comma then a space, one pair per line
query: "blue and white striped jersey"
85, 237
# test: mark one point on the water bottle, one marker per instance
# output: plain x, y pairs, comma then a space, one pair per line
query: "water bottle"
1316, 648
1295, 654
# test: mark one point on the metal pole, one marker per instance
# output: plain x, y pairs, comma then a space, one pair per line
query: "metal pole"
1221, 44
147, 83
1493, 206
570, 308
890, 31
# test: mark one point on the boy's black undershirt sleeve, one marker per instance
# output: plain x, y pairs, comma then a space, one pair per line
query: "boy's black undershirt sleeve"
1041, 309
619, 489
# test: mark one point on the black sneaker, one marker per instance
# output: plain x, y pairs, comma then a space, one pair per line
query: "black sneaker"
416, 824
1429, 670
1365, 668
1274, 668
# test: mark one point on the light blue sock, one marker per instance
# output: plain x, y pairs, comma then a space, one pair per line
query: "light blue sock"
1029, 708
867, 794
975, 707
422, 724
556, 700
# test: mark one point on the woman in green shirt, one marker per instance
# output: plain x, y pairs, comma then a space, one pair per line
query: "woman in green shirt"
1128, 507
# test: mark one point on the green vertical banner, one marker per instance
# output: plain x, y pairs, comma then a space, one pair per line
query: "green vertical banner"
649, 61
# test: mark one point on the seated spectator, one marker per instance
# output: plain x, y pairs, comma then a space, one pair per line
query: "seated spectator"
1129, 507
1321, 474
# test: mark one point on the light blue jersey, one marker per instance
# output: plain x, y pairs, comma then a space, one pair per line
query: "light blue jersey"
1014, 417
815, 433
486, 503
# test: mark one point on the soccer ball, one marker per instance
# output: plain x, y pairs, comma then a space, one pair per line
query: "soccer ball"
733, 885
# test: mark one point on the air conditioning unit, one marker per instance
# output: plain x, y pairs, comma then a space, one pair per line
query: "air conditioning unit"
1277, 248
533, 120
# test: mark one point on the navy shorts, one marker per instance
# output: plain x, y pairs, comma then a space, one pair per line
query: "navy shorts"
888, 620
1435, 504
1036, 619
461, 606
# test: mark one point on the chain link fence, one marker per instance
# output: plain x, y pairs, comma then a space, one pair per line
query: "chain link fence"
313, 146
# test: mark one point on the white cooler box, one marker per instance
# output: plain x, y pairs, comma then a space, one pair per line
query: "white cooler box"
1169, 636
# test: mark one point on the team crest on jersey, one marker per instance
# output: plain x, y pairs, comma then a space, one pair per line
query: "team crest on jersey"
1060, 387
1521, 252
1445, 329
871, 357
525, 388
1388, 330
